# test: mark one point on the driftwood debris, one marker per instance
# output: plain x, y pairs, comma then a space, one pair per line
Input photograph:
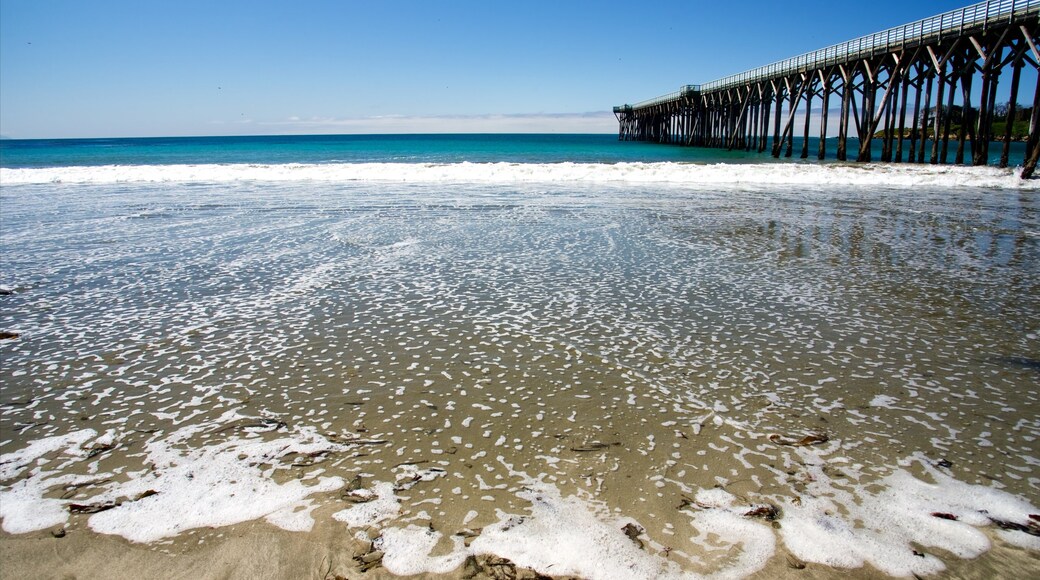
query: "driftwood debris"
594, 446
1031, 527
768, 512
632, 531
810, 439
93, 508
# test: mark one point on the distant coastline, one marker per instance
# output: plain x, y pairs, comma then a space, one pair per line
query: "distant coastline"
955, 118
952, 135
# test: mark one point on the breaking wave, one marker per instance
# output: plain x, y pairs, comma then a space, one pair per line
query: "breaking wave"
791, 173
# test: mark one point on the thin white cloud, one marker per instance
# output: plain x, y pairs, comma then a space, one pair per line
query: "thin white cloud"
592, 122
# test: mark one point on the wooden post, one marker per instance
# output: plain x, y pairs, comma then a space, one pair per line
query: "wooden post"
767, 105
808, 109
717, 134
739, 127
967, 116
1033, 154
888, 110
709, 123
739, 135
825, 85
866, 136
924, 120
688, 120
870, 121
716, 125
720, 125
902, 117
789, 125
948, 121
1033, 143
984, 128
843, 121
752, 140
753, 126
991, 66
692, 121
1016, 69
776, 122
727, 125
914, 125
988, 102
677, 122
938, 130
793, 104
703, 119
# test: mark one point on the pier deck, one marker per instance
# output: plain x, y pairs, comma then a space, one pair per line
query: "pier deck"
911, 86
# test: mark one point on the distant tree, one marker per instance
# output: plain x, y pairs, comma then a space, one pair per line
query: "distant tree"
1023, 113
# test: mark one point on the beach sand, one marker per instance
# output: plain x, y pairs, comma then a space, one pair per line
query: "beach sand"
259, 550
586, 382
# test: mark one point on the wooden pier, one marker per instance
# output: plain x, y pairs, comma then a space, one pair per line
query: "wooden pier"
913, 87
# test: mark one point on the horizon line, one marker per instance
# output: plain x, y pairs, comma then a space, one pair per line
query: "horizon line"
268, 135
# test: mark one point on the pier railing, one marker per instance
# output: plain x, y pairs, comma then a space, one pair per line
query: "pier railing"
686, 90
959, 22
955, 22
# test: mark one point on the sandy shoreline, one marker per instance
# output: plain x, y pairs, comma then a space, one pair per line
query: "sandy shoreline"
454, 466
588, 383
257, 550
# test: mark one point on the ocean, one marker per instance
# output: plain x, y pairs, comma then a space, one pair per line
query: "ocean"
567, 355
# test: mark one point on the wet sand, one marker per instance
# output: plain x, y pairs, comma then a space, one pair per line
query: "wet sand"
753, 384
258, 550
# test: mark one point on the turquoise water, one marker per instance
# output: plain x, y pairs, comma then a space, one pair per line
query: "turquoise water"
312, 149
348, 149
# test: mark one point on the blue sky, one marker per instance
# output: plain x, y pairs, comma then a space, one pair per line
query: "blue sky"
225, 67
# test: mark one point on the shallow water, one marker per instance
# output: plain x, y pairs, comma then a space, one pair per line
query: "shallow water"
532, 364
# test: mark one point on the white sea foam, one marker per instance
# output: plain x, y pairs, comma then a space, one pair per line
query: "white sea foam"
11, 464
498, 173
212, 486
209, 486
569, 535
880, 527
836, 524
560, 535
23, 506
381, 505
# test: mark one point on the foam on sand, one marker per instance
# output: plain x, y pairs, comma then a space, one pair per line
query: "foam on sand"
379, 505
572, 536
212, 486
835, 524
880, 528
14, 463
23, 506
559, 535
208, 486
498, 173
